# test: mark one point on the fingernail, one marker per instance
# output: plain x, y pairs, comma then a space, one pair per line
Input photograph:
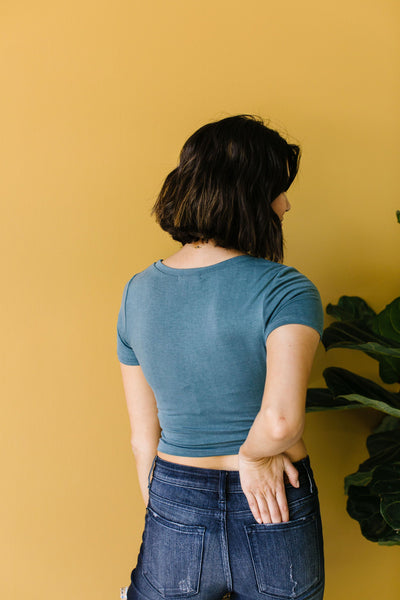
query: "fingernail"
297, 483
259, 521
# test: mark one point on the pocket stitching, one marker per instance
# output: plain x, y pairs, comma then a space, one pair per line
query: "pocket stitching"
302, 500
292, 524
180, 527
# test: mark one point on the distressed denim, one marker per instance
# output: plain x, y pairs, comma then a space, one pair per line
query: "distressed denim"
201, 540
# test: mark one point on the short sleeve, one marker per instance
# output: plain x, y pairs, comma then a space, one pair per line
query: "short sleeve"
125, 352
295, 300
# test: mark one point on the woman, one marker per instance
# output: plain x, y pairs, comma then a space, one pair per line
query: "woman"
216, 345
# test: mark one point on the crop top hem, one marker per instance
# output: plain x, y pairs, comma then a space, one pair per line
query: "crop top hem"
231, 448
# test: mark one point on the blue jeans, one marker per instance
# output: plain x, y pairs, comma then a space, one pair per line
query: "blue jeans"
201, 540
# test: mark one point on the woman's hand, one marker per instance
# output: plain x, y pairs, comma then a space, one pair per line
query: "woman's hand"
263, 485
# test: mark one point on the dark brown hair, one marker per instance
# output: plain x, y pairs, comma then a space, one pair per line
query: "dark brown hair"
229, 172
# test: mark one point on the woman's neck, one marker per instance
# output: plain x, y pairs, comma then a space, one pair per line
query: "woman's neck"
200, 254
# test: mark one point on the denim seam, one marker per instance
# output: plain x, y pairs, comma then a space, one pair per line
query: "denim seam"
224, 536
187, 508
310, 478
185, 483
150, 472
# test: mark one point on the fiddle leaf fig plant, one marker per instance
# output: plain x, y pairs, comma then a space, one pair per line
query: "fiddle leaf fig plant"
374, 489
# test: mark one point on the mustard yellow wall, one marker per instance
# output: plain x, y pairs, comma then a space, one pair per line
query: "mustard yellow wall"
97, 99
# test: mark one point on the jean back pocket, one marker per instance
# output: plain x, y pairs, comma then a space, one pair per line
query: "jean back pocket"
171, 555
286, 556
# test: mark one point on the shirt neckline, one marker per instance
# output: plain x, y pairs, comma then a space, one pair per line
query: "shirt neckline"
195, 270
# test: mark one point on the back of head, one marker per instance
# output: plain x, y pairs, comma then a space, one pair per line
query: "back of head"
229, 172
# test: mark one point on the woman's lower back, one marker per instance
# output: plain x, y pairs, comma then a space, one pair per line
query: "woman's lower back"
228, 462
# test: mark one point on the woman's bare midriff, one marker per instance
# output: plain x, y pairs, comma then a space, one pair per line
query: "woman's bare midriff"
228, 462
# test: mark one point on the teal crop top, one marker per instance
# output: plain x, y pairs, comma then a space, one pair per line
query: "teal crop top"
199, 335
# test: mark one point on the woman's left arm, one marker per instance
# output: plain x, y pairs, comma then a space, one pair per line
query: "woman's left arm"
145, 426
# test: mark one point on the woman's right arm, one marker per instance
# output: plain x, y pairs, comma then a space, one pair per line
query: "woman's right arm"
145, 426
280, 422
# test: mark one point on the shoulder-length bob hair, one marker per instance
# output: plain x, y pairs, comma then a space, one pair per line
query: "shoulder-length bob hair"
229, 172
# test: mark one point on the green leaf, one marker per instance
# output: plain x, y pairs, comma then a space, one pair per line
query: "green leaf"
386, 479
348, 390
387, 322
364, 507
372, 403
322, 399
358, 327
358, 478
374, 490
350, 308
390, 540
387, 424
386, 484
390, 510
383, 447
